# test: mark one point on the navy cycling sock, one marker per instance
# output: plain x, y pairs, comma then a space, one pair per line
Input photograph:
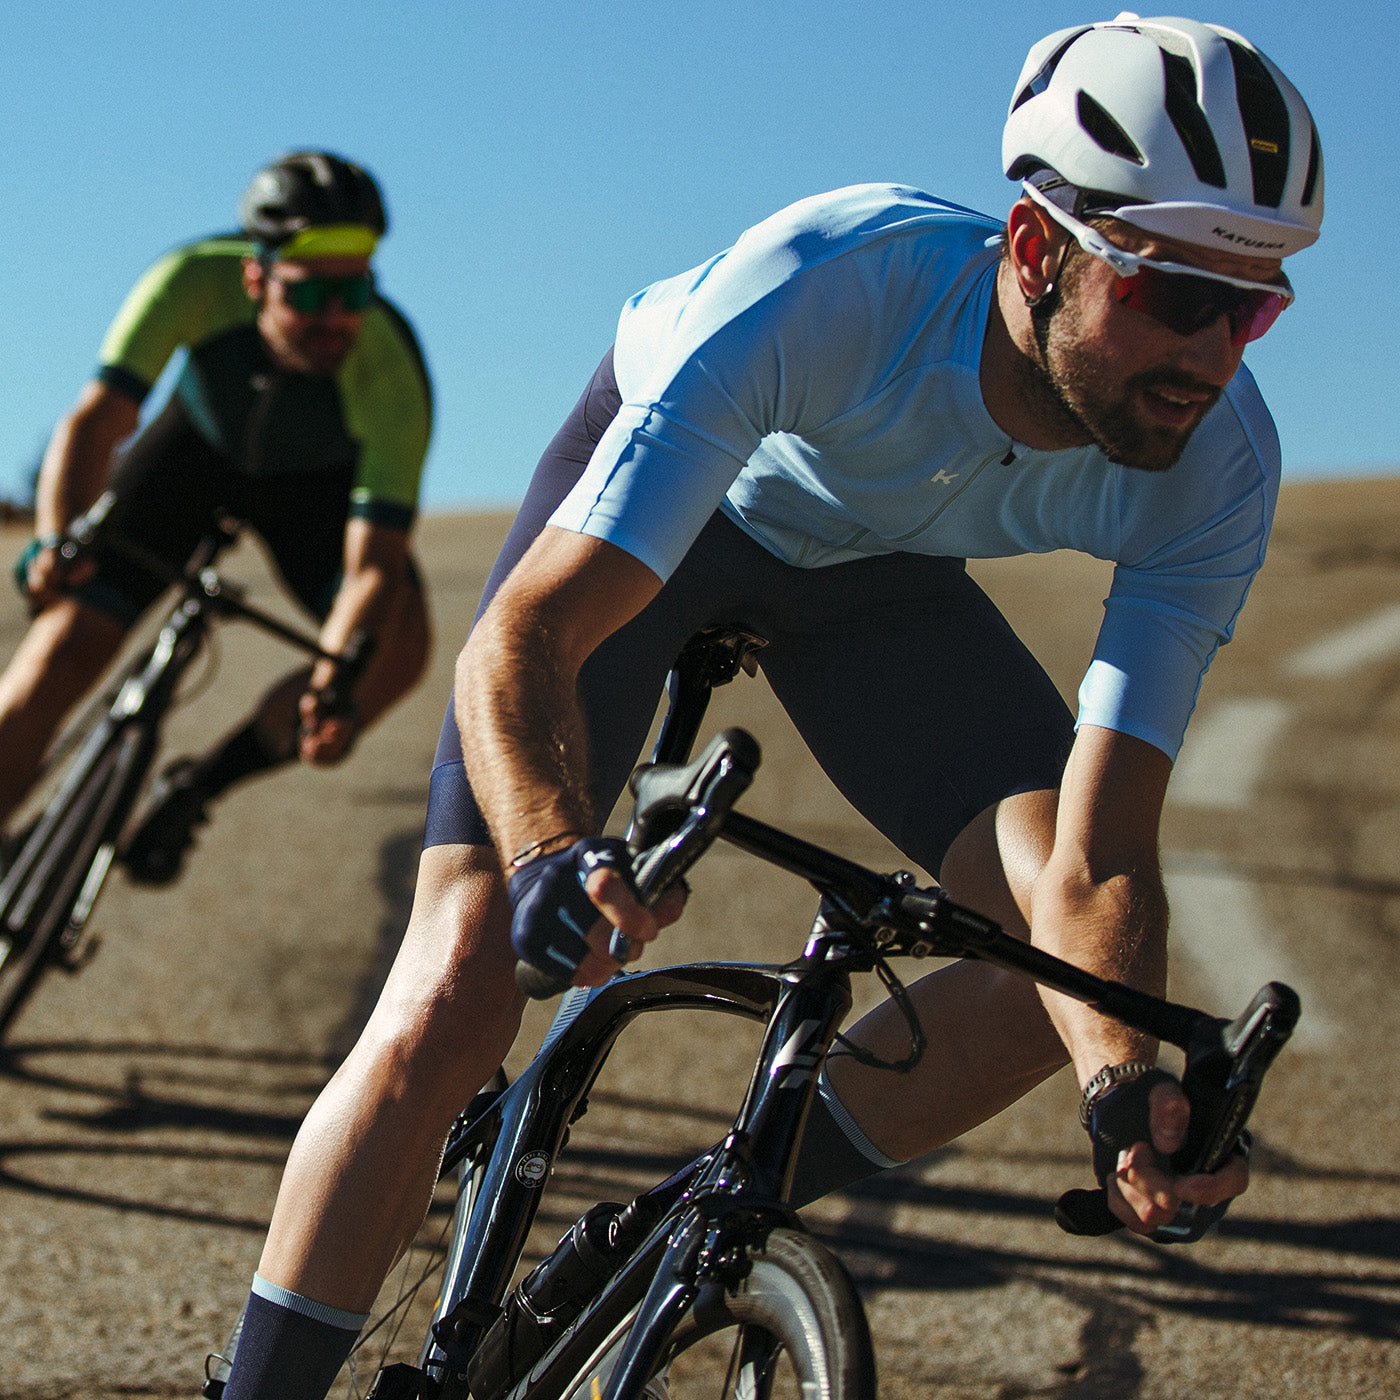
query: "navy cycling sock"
290, 1347
242, 755
834, 1151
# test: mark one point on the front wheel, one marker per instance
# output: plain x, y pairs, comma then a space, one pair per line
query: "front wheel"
793, 1329
58, 872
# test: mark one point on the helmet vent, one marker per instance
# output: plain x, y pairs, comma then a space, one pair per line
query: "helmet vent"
1265, 116
1314, 168
1095, 119
1041, 80
1191, 123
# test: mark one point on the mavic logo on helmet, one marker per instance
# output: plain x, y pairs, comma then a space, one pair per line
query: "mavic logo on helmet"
1268, 147
1244, 242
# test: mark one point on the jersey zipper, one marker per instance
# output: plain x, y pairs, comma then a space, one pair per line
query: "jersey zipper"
948, 499
256, 432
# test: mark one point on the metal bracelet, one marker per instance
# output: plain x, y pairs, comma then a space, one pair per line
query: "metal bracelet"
537, 848
1109, 1077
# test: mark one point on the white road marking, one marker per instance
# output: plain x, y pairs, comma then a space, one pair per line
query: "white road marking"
1219, 927
1225, 753
1349, 648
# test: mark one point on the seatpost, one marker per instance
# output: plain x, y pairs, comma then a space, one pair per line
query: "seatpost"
710, 658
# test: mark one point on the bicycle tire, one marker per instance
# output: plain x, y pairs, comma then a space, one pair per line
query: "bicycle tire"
66, 874
792, 1329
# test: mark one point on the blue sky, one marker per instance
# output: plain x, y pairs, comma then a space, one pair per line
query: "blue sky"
543, 161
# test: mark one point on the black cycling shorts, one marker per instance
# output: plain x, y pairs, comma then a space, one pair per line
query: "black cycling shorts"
171, 486
901, 675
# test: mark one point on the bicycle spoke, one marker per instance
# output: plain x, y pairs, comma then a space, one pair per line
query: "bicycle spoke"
398, 1311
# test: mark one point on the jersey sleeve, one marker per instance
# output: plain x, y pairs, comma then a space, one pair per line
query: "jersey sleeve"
388, 406
1174, 604
708, 365
185, 296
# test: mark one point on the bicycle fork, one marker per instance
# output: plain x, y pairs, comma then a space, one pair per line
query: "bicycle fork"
742, 1195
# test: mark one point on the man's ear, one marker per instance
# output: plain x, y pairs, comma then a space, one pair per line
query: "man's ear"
254, 279
1035, 249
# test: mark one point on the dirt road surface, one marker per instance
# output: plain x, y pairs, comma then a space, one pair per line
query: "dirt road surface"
146, 1105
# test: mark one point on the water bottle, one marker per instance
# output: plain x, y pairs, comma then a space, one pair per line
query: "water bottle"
547, 1300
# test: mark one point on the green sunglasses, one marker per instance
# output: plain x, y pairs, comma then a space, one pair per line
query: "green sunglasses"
310, 296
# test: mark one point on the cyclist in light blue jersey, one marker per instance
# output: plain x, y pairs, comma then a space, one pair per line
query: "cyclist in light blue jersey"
735, 398
807, 436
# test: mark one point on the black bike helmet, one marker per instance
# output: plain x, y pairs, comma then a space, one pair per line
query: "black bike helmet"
306, 190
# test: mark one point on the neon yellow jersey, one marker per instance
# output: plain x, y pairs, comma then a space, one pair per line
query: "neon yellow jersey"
375, 414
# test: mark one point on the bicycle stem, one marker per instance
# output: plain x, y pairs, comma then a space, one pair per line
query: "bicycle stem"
953, 931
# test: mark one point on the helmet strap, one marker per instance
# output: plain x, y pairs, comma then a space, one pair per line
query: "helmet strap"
1044, 304
1045, 300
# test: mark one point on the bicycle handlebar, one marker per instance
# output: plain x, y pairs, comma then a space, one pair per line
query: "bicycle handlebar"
83, 531
680, 810
93, 531
349, 665
678, 814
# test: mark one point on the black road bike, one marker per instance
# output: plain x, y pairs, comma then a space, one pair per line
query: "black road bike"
708, 1281
62, 858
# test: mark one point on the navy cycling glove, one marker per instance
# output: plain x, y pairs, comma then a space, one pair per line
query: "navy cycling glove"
551, 912
1117, 1119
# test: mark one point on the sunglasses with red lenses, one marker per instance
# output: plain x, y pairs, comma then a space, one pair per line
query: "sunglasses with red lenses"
1186, 303
1182, 298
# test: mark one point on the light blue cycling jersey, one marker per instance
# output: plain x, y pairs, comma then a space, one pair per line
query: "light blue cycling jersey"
818, 382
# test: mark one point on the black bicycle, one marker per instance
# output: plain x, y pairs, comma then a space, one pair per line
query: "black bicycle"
62, 860
709, 1280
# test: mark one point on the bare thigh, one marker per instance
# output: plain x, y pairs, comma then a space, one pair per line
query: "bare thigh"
66, 649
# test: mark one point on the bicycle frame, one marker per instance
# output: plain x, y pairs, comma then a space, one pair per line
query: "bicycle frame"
146, 690
48, 893
521, 1132
700, 1225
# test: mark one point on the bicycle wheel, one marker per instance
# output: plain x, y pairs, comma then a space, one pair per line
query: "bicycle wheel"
56, 877
793, 1329
427, 1266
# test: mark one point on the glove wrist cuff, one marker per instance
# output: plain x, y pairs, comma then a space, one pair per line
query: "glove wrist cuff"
1109, 1077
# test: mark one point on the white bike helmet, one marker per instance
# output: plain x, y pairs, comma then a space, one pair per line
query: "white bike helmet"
1182, 129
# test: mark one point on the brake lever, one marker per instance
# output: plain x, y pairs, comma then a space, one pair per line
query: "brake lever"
670, 829
1225, 1068
1226, 1062
348, 666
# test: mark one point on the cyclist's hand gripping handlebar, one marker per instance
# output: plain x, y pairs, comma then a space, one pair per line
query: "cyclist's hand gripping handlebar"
97, 531
1225, 1066
336, 697
551, 912
69, 548
678, 813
